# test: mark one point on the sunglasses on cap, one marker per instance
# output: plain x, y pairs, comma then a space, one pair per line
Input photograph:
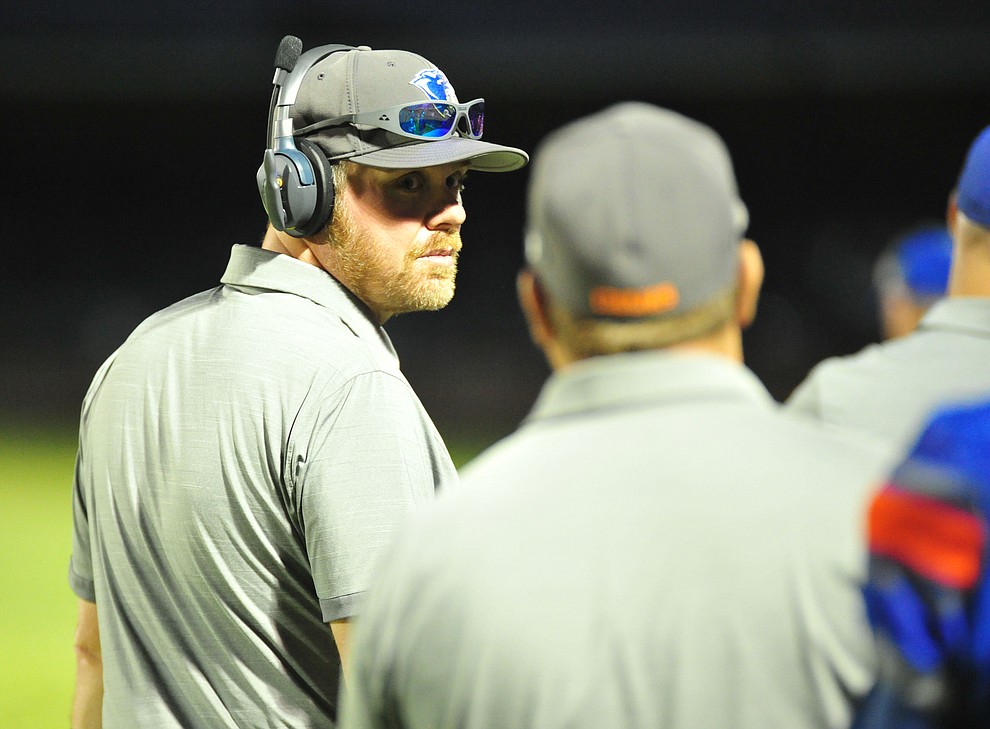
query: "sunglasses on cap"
432, 120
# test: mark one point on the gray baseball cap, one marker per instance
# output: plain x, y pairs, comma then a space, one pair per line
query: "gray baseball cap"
633, 212
365, 80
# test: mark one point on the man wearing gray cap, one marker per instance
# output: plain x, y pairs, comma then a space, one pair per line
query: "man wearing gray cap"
890, 389
247, 452
657, 545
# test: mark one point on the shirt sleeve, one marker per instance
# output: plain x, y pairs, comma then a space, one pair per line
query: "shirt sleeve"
368, 701
362, 459
81, 561
81, 576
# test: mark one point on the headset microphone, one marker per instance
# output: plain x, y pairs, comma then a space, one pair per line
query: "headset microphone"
294, 177
285, 60
289, 50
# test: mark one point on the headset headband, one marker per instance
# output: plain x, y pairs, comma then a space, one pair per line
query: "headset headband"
287, 81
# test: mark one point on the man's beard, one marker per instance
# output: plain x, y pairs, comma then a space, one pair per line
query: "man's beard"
386, 286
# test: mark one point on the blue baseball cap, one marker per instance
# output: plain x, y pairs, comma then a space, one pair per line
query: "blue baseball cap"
924, 258
973, 190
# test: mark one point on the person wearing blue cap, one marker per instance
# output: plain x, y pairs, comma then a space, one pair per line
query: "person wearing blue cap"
928, 594
889, 388
910, 276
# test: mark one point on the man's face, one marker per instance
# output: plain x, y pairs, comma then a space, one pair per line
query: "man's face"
395, 237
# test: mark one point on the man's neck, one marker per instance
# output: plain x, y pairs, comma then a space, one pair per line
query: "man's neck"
299, 249
725, 342
970, 274
289, 246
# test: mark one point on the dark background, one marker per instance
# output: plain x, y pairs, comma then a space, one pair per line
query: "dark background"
132, 132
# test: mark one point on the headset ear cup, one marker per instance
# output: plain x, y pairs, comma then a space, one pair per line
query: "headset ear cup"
323, 208
288, 186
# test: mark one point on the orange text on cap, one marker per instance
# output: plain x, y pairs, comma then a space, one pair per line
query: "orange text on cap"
608, 301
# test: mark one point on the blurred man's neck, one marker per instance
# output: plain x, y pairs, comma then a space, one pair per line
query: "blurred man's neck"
725, 342
970, 274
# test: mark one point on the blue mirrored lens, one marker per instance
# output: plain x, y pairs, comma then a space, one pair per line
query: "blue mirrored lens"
476, 116
428, 120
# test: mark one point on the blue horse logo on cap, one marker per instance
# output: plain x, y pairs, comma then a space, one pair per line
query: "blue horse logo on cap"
434, 84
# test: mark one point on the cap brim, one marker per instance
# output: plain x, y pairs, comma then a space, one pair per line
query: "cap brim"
482, 156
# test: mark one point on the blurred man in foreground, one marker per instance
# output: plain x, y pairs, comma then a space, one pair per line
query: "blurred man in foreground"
658, 545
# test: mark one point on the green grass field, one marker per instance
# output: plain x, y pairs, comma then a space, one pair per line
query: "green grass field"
38, 610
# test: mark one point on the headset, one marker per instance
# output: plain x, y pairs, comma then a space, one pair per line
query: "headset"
294, 178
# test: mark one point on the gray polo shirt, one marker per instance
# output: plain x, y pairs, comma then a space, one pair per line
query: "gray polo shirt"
658, 546
889, 389
243, 457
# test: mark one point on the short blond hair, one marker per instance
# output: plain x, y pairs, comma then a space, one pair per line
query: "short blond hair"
586, 337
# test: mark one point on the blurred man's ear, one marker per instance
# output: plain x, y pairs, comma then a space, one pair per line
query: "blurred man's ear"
532, 301
536, 308
951, 212
750, 282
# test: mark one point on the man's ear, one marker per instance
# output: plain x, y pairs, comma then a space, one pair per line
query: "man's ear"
951, 212
750, 282
535, 305
533, 302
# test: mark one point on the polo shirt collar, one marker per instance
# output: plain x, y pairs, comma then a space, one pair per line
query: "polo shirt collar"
254, 267
650, 378
969, 314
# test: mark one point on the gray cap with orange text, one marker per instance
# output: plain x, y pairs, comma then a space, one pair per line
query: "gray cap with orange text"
633, 212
